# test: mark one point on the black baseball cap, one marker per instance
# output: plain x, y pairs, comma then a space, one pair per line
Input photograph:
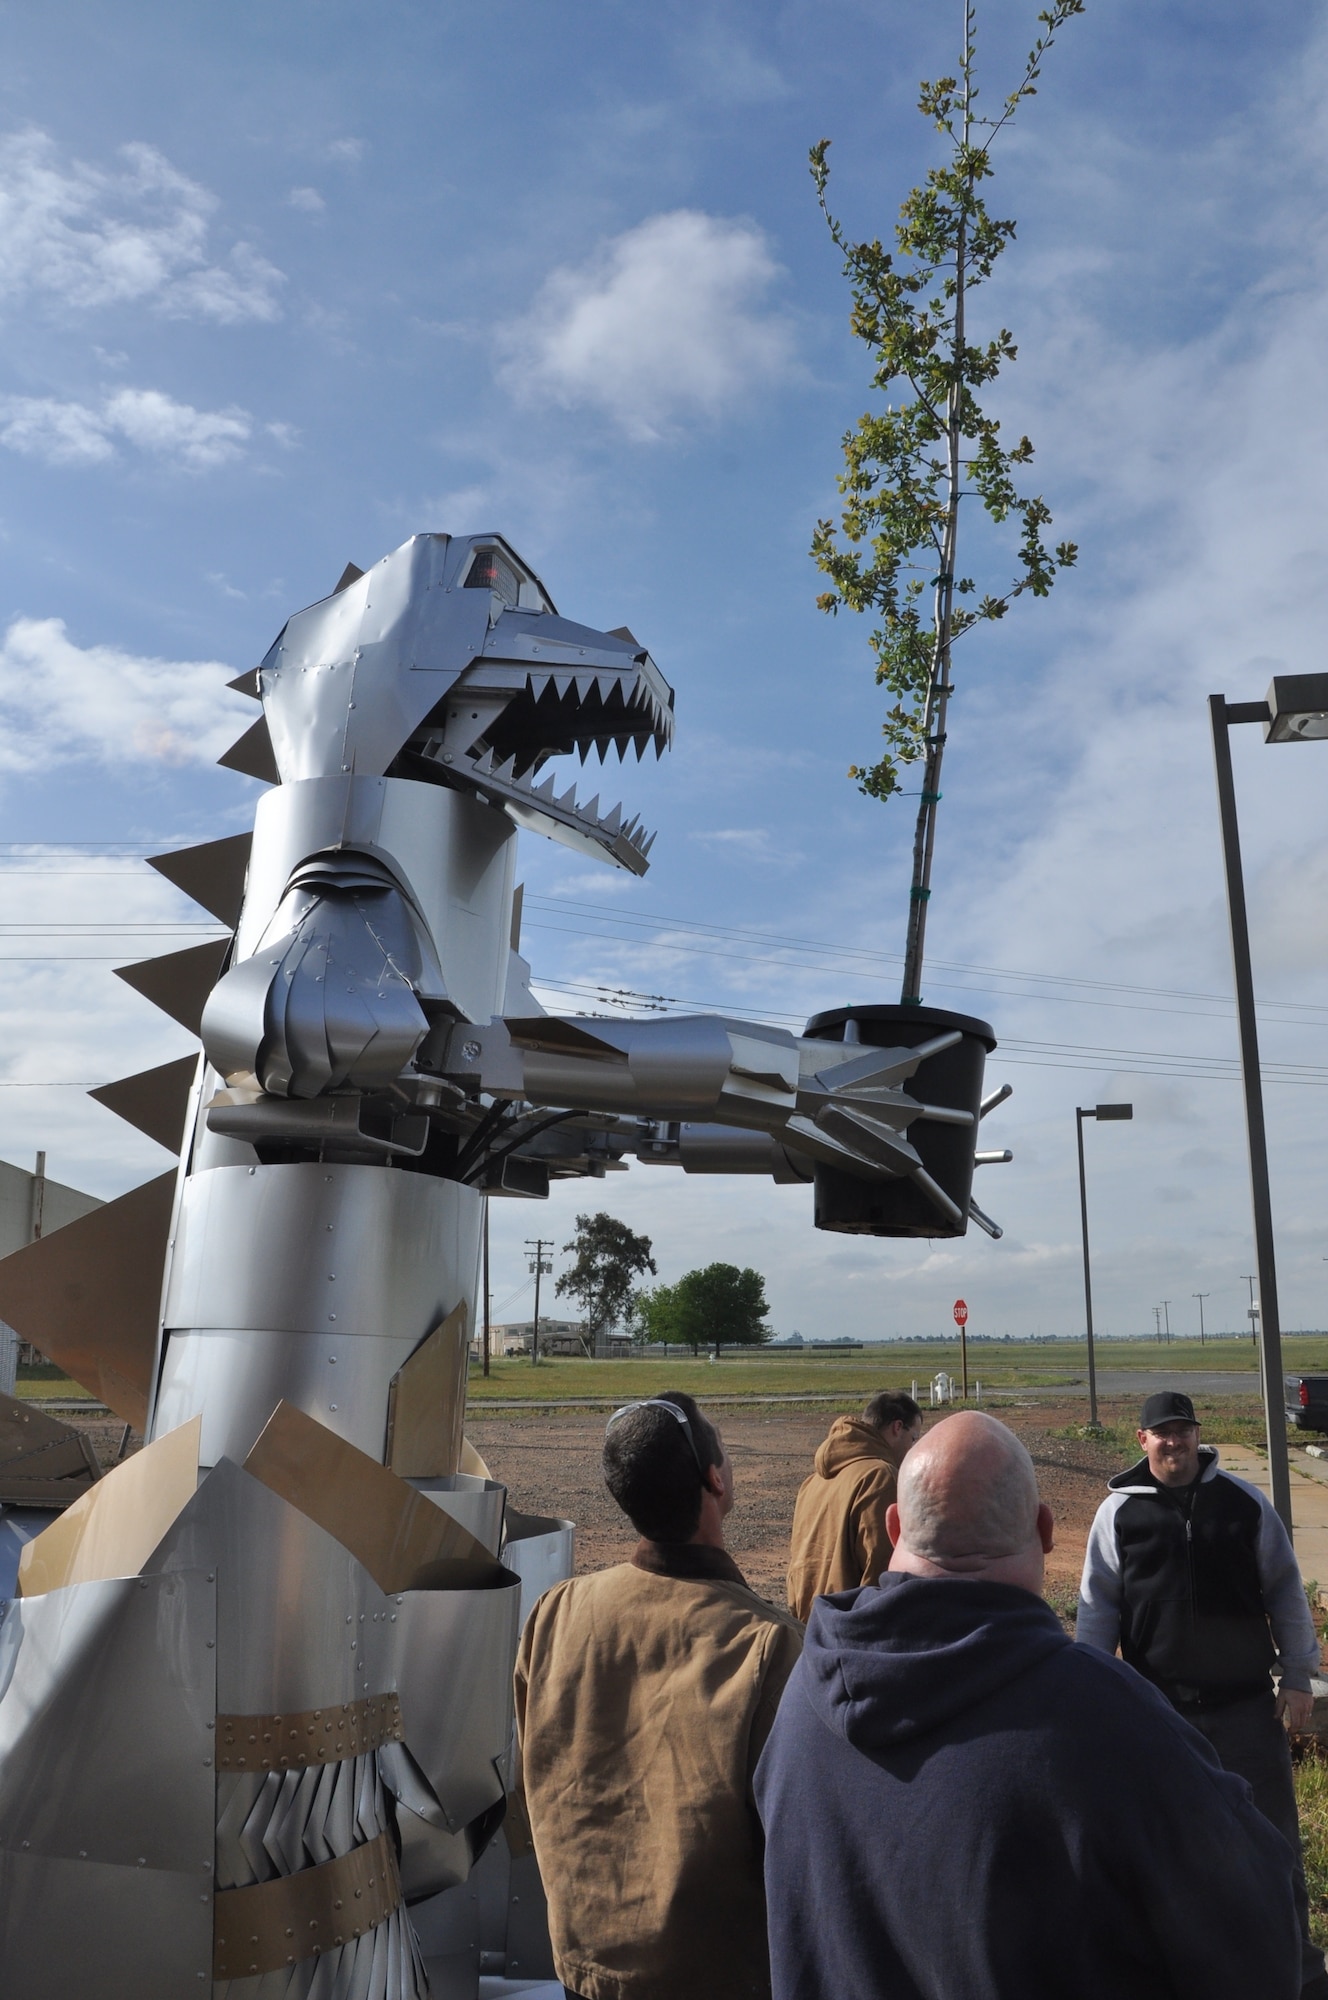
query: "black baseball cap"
1168, 1406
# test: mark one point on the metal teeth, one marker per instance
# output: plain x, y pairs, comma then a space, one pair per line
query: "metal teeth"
627, 842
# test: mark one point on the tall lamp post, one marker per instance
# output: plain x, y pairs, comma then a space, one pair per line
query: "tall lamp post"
1296, 711
1101, 1111
1201, 1296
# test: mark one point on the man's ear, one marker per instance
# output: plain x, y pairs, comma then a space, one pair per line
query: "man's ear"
1046, 1522
892, 1524
713, 1480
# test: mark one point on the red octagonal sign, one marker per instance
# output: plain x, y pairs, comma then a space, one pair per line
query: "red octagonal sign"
960, 1313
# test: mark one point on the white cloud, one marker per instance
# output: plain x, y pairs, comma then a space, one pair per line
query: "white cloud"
60, 433
746, 843
73, 434
88, 237
157, 424
666, 322
63, 703
308, 200
352, 151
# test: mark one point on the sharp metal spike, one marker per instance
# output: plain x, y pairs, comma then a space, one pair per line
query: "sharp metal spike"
567, 803
506, 773
591, 810
644, 846
612, 821
621, 745
545, 791
585, 685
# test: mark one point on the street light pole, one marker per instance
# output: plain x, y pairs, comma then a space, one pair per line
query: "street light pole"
1102, 1111
1201, 1296
1296, 711
1166, 1319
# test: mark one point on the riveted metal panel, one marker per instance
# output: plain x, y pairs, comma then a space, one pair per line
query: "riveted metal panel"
455, 856
456, 1651
107, 1700
70, 1929
300, 1624
236, 1379
366, 1248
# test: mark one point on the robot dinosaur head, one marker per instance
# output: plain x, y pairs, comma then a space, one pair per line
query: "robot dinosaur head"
448, 662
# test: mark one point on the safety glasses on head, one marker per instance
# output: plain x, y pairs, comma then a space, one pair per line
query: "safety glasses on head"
660, 1403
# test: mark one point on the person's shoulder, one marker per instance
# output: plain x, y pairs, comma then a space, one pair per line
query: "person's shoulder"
577, 1593
1219, 1476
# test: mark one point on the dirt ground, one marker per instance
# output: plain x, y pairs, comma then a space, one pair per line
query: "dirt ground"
549, 1462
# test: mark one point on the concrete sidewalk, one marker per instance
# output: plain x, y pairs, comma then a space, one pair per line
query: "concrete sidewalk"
1309, 1501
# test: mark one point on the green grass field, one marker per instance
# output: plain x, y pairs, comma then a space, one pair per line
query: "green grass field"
857, 1374
852, 1376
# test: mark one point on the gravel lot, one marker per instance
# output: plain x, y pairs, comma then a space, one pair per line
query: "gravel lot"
550, 1464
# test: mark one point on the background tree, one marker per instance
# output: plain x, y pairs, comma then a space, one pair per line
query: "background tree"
908, 467
609, 1257
718, 1305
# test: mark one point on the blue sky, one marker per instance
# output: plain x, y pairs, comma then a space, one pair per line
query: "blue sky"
281, 286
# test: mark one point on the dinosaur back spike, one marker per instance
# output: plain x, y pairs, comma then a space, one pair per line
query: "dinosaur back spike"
88, 1295
154, 1101
252, 756
213, 874
180, 982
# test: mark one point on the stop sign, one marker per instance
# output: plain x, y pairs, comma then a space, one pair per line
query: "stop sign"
960, 1313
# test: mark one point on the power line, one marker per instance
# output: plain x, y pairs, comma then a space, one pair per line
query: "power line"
859, 956
1044, 1055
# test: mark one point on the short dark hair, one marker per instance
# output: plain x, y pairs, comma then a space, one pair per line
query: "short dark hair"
652, 1470
891, 1406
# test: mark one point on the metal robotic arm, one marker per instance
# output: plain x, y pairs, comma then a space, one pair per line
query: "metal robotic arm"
834, 1102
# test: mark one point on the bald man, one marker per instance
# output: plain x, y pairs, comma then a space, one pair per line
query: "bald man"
958, 1800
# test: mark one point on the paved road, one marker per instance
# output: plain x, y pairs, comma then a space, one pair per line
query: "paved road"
1142, 1382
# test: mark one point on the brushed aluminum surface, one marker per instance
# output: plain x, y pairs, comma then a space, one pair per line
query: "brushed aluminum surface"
71, 1928
343, 1271
454, 1655
367, 1248
455, 858
106, 1789
300, 1624
236, 1379
541, 1550
478, 1504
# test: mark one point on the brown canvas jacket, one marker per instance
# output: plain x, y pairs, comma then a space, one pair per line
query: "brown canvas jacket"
643, 1701
839, 1538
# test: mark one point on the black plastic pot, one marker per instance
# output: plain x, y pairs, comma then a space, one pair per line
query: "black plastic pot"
953, 1078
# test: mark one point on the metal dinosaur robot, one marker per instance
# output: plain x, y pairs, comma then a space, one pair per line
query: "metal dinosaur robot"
255, 1683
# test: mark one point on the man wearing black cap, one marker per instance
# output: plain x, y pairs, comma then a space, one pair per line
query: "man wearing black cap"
1191, 1573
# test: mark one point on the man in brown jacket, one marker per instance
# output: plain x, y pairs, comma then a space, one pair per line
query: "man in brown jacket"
644, 1696
839, 1539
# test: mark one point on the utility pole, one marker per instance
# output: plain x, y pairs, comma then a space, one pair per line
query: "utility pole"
486, 1284
1157, 1324
536, 1262
1249, 1277
1201, 1296
1166, 1315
